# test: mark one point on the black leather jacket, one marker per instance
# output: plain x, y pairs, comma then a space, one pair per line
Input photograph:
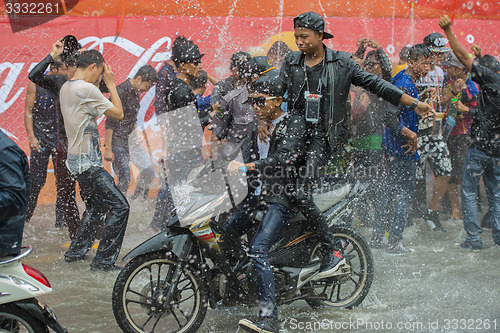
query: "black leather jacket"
345, 72
286, 151
14, 193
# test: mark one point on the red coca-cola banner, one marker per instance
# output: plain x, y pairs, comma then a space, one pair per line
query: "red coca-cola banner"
148, 40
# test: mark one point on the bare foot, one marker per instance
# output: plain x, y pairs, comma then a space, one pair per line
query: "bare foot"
456, 215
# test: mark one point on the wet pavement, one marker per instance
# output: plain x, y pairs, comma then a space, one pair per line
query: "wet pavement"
438, 287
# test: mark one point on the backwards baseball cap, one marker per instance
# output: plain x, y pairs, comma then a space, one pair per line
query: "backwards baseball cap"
313, 21
450, 59
269, 85
260, 65
436, 42
186, 52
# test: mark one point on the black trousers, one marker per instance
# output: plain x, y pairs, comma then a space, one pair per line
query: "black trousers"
66, 189
39, 162
318, 155
102, 198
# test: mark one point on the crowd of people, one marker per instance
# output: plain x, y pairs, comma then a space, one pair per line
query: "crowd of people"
289, 113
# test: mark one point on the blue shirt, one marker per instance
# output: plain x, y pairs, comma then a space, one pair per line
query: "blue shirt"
393, 141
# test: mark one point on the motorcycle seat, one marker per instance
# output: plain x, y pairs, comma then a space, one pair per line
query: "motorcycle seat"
327, 199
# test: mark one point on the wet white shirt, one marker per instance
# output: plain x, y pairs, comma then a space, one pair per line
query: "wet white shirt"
81, 104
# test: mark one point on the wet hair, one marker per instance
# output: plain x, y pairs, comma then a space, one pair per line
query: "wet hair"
404, 54
386, 75
90, 57
70, 52
490, 62
200, 81
373, 53
418, 51
279, 48
71, 60
147, 73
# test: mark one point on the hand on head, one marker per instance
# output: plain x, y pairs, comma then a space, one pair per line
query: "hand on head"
57, 48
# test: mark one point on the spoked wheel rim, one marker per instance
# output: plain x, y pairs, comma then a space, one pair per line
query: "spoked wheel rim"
14, 324
144, 298
352, 280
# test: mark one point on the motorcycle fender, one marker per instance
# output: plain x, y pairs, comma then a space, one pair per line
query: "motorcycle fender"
178, 244
44, 315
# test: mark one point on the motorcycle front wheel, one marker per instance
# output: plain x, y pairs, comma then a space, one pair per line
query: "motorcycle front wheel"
140, 296
15, 319
351, 283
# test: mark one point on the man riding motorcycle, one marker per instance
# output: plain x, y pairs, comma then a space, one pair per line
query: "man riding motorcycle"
276, 165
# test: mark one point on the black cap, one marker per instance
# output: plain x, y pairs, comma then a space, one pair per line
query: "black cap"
311, 21
240, 59
269, 85
260, 65
186, 52
436, 42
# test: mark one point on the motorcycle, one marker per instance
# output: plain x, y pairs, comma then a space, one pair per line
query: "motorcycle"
173, 277
20, 311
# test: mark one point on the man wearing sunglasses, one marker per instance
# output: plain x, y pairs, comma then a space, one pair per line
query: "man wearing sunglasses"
277, 160
318, 80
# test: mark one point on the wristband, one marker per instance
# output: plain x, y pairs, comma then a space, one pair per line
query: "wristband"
244, 169
414, 104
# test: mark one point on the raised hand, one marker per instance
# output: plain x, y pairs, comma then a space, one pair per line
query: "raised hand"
445, 22
109, 76
57, 49
477, 50
458, 86
373, 43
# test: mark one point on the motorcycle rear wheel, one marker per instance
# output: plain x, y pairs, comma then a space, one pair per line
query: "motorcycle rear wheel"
15, 319
138, 303
350, 286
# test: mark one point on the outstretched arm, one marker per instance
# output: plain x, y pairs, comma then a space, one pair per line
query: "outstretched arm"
458, 49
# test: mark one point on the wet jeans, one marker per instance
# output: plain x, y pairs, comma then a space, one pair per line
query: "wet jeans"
275, 218
398, 178
102, 197
121, 166
477, 163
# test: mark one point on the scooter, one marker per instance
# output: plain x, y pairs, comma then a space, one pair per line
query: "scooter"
20, 311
